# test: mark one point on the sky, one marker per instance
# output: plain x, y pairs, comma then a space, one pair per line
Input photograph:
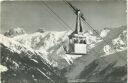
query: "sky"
32, 15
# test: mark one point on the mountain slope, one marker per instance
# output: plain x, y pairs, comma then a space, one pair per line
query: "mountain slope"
50, 43
25, 64
53, 45
41, 57
112, 69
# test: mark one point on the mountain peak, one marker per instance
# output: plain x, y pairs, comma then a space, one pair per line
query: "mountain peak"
14, 32
40, 30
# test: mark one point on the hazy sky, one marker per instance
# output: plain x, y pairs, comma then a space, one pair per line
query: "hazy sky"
32, 15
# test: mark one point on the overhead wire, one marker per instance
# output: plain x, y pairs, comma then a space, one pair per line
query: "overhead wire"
92, 28
56, 18
57, 15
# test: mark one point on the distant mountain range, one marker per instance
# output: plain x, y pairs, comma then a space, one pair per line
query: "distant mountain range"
41, 57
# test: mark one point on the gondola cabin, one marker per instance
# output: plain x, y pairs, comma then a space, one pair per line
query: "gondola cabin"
77, 40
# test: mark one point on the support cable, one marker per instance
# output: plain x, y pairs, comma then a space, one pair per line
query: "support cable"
57, 15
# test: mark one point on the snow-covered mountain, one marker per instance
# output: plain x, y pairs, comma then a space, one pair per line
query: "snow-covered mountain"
14, 32
25, 63
49, 43
52, 44
47, 49
104, 32
118, 44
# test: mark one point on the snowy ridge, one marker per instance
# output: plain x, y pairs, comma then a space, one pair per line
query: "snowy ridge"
38, 40
48, 43
51, 45
38, 43
104, 32
21, 59
119, 43
92, 39
14, 32
15, 46
42, 55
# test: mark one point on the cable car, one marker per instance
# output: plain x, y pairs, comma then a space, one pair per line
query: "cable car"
77, 40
